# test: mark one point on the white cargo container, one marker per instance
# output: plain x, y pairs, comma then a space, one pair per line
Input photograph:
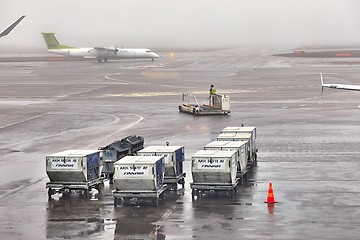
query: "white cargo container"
242, 136
239, 146
73, 170
139, 177
243, 129
214, 170
173, 157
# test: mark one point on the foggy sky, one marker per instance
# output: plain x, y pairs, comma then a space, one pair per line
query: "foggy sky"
182, 23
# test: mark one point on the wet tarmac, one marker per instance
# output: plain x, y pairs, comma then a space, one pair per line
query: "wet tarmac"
308, 146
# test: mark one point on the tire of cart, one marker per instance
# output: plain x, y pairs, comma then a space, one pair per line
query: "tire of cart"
182, 182
84, 193
194, 193
50, 193
162, 196
100, 187
156, 201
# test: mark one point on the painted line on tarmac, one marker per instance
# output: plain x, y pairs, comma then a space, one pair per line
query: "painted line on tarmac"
115, 79
116, 132
25, 120
168, 212
143, 83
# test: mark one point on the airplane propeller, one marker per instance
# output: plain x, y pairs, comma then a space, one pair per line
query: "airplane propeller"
322, 84
116, 50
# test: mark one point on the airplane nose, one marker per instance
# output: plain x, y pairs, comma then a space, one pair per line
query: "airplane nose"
155, 55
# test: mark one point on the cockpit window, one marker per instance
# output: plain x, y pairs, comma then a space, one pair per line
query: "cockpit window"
148, 51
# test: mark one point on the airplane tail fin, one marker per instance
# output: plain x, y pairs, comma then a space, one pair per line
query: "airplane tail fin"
52, 42
11, 27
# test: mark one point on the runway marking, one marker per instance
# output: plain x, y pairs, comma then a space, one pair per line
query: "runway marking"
142, 83
114, 79
29, 119
146, 94
116, 132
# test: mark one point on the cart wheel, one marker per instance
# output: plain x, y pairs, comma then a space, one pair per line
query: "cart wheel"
100, 187
156, 201
193, 193
84, 193
126, 201
115, 201
111, 178
182, 182
50, 192
232, 195
162, 196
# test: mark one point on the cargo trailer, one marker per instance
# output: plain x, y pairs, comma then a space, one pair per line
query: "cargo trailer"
117, 150
217, 104
74, 170
242, 136
214, 170
244, 129
174, 157
139, 178
239, 146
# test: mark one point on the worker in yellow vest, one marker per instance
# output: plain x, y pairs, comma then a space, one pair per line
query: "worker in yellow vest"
212, 89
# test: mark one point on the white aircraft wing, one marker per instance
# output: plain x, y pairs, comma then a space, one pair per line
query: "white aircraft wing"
11, 27
337, 86
103, 50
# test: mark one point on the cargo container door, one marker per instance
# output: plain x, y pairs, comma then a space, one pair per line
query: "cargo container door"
93, 166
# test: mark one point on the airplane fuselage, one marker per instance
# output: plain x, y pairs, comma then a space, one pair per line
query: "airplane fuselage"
342, 86
121, 53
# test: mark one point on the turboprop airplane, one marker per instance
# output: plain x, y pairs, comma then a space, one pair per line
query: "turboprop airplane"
99, 53
7, 30
337, 86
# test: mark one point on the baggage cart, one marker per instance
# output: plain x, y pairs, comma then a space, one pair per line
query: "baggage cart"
117, 150
239, 146
242, 136
217, 104
74, 170
174, 157
138, 179
214, 171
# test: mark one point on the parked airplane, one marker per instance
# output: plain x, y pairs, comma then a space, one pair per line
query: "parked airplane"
7, 30
99, 53
337, 86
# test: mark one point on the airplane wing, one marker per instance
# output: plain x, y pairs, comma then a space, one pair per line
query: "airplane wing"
9, 28
103, 50
337, 86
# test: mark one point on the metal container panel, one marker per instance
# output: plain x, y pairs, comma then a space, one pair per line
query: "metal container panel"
73, 166
239, 146
214, 166
242, 136
134, 173
173, 155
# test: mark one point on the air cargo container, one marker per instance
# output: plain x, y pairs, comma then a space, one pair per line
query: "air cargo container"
239, 146
243, 129
173, 157
117, 150
78, 170
214, 170
139, 178
242, 136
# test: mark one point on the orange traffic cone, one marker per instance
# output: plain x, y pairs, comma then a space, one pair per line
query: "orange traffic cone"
270, 197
